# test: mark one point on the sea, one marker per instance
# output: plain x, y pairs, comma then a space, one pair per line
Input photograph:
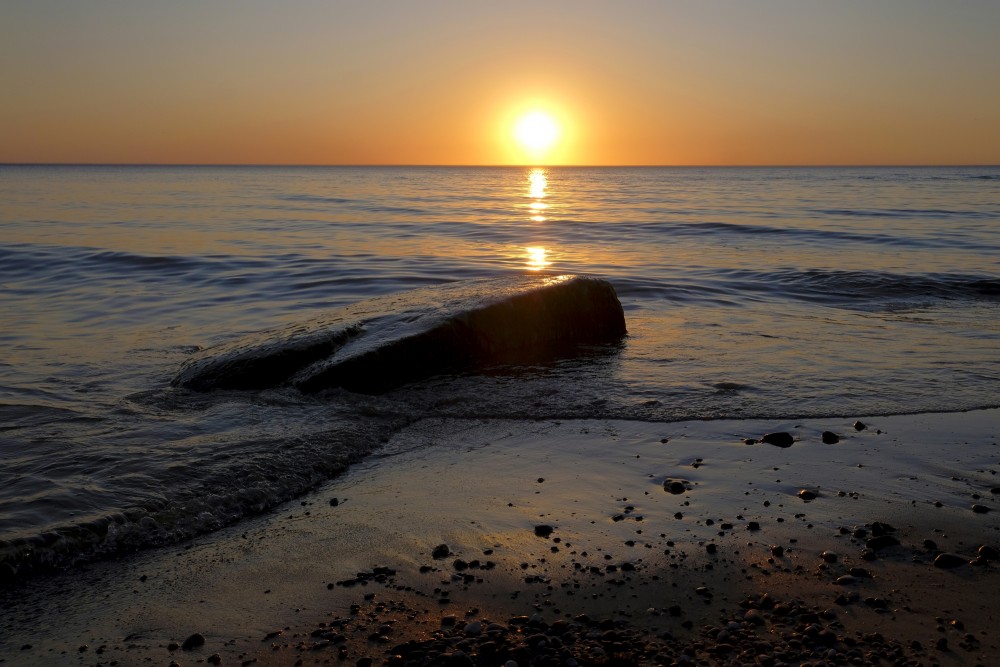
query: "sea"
749, 293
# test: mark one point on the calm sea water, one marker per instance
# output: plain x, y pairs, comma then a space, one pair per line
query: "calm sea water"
749, 293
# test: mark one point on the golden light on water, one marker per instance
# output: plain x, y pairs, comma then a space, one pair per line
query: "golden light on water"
536, 258
537, 182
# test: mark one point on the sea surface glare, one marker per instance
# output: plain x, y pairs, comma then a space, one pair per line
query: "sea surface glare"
748, 293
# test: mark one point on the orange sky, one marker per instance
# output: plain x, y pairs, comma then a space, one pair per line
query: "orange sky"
394, 82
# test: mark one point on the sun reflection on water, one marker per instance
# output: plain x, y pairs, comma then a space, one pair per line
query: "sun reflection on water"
536, 258
537, 182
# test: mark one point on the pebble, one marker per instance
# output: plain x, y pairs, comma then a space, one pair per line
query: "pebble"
194, 641
830, 438
543, 530
988, 553
441, 551
806, 494
829, 556
948, 561
980, 509
881, 542
674, 486
860, 426
779, 439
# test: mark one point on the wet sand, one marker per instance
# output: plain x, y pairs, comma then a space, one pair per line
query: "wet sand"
548, 521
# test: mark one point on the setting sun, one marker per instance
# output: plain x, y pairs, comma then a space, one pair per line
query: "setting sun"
536, 134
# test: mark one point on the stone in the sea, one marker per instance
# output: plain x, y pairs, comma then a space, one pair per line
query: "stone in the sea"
194, 641
381, 343
860, 426
830, 438
779, 439
948, 561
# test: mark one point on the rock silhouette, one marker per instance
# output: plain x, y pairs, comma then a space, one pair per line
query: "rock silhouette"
377, 344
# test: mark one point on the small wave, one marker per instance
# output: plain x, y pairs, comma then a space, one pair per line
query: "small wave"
909, 213
852, 286
806, 235
317, 199
194, 497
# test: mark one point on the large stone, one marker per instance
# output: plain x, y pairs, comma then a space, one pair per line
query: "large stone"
381, 343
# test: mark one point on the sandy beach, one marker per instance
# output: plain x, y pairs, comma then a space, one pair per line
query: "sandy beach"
575, 542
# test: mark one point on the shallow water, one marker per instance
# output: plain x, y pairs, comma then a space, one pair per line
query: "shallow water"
749, 293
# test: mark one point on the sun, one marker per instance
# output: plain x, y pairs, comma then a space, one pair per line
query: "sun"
536, 133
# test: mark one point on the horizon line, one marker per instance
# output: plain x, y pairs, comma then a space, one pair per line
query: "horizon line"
504, 166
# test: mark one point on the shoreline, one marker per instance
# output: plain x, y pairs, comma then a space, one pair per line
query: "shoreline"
660, 571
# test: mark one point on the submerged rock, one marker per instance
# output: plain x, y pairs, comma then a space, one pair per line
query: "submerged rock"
377, 344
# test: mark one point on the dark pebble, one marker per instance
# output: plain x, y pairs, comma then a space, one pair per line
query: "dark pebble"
777, 550
441, 551
334, 502
543, 530
980, 509
806, 494
988, 553
215, 659
194, 641
753, 525
930, 545
860, 426
881, 528
948, 561
749, 441
779, 439
830, 438
881, 542
673, 486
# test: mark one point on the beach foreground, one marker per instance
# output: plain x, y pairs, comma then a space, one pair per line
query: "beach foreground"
575, 542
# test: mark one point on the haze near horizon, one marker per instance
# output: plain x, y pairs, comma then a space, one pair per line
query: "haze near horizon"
904, 82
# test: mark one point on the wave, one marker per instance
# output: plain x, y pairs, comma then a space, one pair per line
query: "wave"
908, 213
245, 471
831, 287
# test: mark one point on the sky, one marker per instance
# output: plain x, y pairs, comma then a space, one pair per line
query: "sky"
629, 82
